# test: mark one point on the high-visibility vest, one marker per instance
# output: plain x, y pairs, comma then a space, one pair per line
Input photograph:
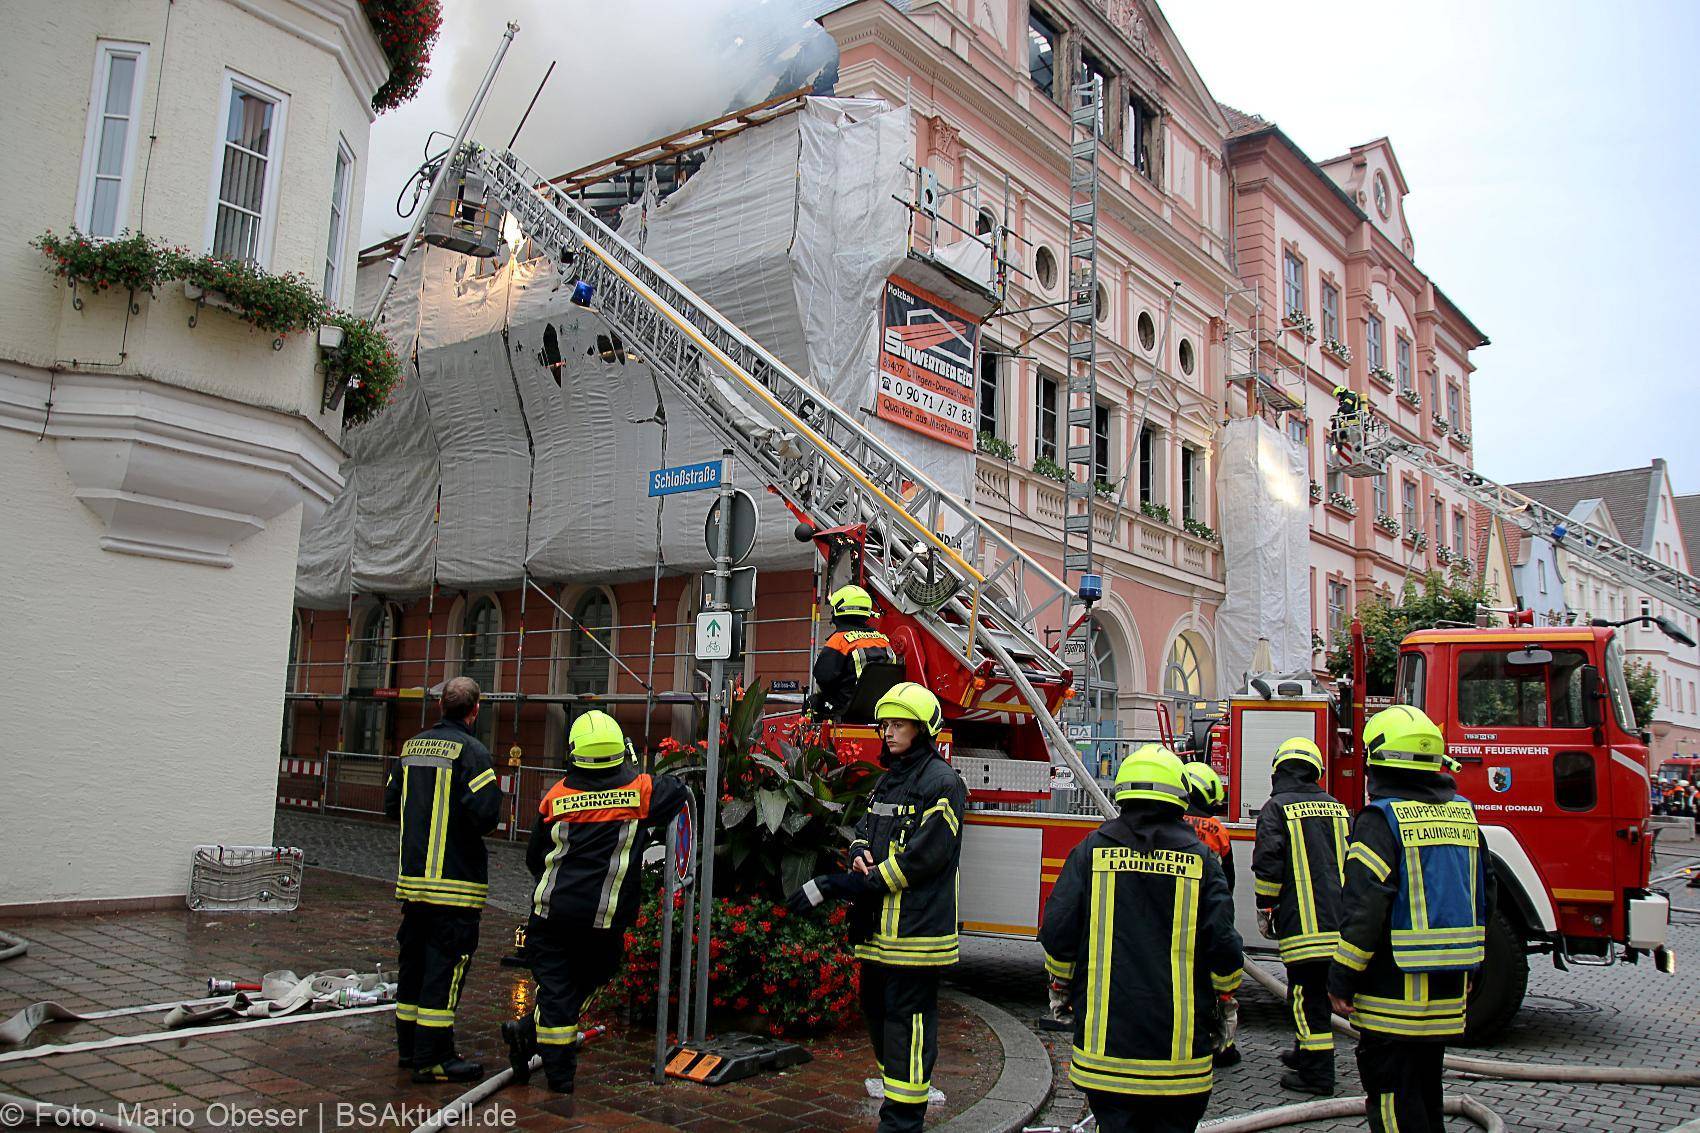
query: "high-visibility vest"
1440, 913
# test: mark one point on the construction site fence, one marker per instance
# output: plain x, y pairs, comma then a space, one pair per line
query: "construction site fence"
351, 784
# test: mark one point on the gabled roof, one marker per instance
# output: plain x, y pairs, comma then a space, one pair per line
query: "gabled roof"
1630, 494
1239, 122
1688, 518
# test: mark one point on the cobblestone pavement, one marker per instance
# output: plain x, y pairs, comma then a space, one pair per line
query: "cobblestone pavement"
1627, 1015
304, 1072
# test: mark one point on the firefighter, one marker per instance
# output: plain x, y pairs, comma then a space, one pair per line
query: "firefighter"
903, 879
1141, 924
1350, 403
1298, 863
585, 853
851, 648
445, 793
1206, 800
1418, 896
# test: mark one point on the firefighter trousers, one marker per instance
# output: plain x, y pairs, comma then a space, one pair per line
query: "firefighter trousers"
570, 962
901, 1006
1143, 1113
437, 943
1402, 1079
1307, 1002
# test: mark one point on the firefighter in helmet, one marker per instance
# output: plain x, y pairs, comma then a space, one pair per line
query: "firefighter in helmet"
853, 646
1298, 862
903, 880
1206, 800
1418, 897
585, 855
1349, 403
1142, 926
445, 793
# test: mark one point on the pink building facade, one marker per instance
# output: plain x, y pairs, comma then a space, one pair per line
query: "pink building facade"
1343, 303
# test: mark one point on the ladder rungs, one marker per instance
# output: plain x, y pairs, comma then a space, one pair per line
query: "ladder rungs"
1086, 147
1077, 524
1081, 490
1077, 563
1083, 249
1083, 212
1081, 312
1080, 418
1079, 454
1082, 348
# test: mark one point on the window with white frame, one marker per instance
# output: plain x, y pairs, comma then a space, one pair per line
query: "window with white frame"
1101, 443
1454, 406
109, 148
1379, 483
1408, 516
342, 178
1331, 313
1458, 532
1045, 414
1293, 285
1374, 345
1189, 482
1338, 599
244, 206
1402, 361
990, 388
1439, 522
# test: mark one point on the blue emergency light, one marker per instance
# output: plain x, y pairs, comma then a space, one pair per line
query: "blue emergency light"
583, 290
1091, 587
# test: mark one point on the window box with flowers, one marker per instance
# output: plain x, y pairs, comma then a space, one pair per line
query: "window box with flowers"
406, 30
1159, 512
1441, 424
1445, 556
1461, 438
1338, 349
1387, 523
1382, 374
1411, 397
1200, 530
1418, 540
1315, 492
1051, 470
1299, 321
1341, 502
1104, 489
993, 445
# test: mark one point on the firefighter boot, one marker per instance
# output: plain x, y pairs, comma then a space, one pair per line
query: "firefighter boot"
1290, 1058
1312, 1074
521, 1037
451, 1069
560, 1067
404, 1029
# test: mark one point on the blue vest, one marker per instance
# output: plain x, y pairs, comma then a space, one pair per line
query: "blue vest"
1440, 914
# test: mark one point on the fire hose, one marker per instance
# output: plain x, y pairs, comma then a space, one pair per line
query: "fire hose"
11, 947
455, 1113
1458, 1105
1518, 1071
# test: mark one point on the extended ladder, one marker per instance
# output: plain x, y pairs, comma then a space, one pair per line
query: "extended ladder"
809, 449
1367, 444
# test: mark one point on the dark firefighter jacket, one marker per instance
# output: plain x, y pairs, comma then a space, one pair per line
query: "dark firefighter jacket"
913, 829
1394, 993
445, 793
1214, 835
588, 841
853, 646
1299, 863
1142, 924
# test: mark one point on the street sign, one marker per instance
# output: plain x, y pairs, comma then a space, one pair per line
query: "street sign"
1073, 650
687, 477
714, 635
740, 589
684, 866
743, 526
1078, 730
784, 685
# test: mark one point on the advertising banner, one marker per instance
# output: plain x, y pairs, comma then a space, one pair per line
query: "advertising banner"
928, 365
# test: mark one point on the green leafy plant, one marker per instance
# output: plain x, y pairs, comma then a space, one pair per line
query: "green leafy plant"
1200, 529
1158, 512
993, 445
132, 261
1051, 470
1104, 488
367, 362
1440, 599
276, 304
406, 30
1643, 681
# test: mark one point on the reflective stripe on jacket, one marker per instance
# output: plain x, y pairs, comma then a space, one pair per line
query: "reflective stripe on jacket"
1439, 916
445, 793
1141, 924
853, 646
1299, 865
913, 829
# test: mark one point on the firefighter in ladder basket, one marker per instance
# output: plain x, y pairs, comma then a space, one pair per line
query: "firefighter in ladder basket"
1418, 899
445, 793
1298, 863
1141, 925
853, 646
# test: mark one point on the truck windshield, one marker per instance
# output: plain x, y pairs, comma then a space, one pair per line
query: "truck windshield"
1494, 694
1412, 679
1618, 686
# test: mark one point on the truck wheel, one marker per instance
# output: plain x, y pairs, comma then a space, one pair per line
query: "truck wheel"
1496, 992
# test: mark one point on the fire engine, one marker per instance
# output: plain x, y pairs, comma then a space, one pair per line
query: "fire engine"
1538, 719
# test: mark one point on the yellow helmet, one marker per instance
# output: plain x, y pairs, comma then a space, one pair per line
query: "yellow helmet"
1404, 737
1300, 749
1153, 772
597, 741
1204, 785
907, 700
851, 602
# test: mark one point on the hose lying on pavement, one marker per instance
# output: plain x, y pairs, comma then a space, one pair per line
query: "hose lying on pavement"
1458, 1105
13, 946
54, 1115
457, 1111
1520, 1071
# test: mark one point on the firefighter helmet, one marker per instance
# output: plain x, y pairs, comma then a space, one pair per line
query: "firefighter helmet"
851, 602
1204, 785
1404, 737
907, 700
597, 741
1152, 772
1300, 749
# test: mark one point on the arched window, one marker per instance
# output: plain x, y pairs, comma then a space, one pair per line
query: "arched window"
480, 651
589, 667
1188, 672
371, 654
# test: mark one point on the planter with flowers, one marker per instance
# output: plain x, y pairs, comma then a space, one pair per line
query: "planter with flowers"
1418, 540
1200, 530
1460, 437
1159, 512
1445, 556
1388, 524
1381, 374
1104, 489
406, 31
1315, 492
1299, 321
1051, 470
995, 446
1341, 502
1411, 397
1338, 349
1441, 424
130, 262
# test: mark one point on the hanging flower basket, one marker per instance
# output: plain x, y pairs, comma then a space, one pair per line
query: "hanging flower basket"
406, 30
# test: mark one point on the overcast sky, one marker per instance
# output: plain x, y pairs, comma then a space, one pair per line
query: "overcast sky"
1550, 147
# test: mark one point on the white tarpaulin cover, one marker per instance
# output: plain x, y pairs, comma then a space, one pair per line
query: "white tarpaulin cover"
1262, 490
789, 230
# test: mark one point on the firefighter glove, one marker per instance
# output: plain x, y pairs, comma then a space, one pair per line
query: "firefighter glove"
1266, 923
1227, 1022
828, 887
1057, 997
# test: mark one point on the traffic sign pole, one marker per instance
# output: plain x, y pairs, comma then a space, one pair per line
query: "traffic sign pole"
711, 792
